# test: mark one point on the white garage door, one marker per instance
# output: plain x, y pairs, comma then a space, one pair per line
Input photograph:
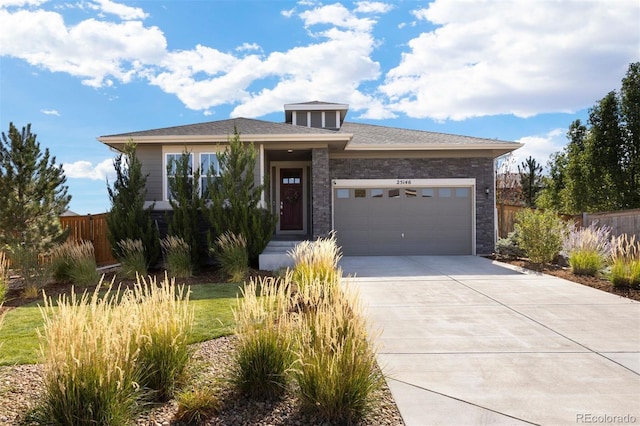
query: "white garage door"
404, 219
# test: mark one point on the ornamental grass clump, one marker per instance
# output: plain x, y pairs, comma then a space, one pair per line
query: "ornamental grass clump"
90, 351
196, 405
540, 234
177, 257
336, 370
133, 261
165, 323
587, 249
231, 250
74, 262
265, 335
316, 260
625, 257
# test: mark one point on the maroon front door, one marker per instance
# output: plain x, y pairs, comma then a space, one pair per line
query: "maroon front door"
291, 200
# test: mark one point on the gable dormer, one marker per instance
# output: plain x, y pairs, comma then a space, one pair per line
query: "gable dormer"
321, 115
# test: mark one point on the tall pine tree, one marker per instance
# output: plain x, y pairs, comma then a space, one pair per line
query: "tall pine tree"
531, 180
128, 218
235, 198
33, 193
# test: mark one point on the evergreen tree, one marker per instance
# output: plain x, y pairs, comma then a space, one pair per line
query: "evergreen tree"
531, 180
599, 168
128, 219
630, 110
605, 152
235, 198
33, 193
186, 204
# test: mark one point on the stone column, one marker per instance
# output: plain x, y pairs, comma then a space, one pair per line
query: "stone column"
320, 192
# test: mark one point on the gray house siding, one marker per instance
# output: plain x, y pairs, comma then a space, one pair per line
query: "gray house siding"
151, 158
429, 168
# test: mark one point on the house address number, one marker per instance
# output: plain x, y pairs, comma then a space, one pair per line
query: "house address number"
403, 182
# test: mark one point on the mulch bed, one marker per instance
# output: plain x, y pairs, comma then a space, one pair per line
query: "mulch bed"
598, 282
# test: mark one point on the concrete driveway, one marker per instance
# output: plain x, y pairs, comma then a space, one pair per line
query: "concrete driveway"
468, 341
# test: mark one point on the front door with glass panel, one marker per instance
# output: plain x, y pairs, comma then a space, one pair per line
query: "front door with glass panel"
291, 207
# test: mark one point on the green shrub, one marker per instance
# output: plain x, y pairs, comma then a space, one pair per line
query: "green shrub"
264, 354
508, 247
336, 372
231, 250
196, 405
165, 323
625, 254
177, 257
89, 351
540, 234
133, 260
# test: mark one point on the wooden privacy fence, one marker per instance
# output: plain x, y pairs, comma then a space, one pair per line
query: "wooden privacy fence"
621, 222
91, 228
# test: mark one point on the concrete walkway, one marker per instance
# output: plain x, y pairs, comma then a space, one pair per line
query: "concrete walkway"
468, 341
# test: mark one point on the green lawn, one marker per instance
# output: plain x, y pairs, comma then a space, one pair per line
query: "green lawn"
212, 304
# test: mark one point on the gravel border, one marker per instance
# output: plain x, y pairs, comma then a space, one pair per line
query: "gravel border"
21, 388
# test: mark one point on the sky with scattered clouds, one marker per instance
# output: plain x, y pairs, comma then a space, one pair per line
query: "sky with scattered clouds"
517, 70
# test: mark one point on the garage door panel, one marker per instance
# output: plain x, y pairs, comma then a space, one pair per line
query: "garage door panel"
407, 225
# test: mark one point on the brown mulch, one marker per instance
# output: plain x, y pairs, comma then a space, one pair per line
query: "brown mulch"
598, 282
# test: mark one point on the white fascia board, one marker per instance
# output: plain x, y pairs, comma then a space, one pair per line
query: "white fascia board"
402, 183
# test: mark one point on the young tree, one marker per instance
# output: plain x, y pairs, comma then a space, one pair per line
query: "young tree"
186, 204
235, 198
128, 219
33, 193
531, 180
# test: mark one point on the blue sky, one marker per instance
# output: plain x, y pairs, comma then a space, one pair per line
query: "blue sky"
518, 70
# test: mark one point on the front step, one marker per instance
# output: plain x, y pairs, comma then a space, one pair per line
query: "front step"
275, 255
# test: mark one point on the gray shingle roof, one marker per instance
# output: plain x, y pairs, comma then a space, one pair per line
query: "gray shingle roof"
363, 134
246, 126
371, 134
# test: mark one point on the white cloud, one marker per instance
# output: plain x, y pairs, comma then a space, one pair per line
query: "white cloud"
336, 15
373, 7
20, 3
248, 46
541, 147
521, 57
99, 52
86, 170
50, 112
118, 9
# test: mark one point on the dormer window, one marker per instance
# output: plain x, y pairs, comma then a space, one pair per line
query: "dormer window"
319, 115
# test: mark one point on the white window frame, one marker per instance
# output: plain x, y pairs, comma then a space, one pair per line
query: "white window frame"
166, 176
203, 172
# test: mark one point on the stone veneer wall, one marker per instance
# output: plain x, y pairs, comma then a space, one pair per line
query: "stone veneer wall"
479, 168
321, 192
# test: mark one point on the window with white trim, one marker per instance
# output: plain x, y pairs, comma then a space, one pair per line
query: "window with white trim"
170, 164
209, 168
